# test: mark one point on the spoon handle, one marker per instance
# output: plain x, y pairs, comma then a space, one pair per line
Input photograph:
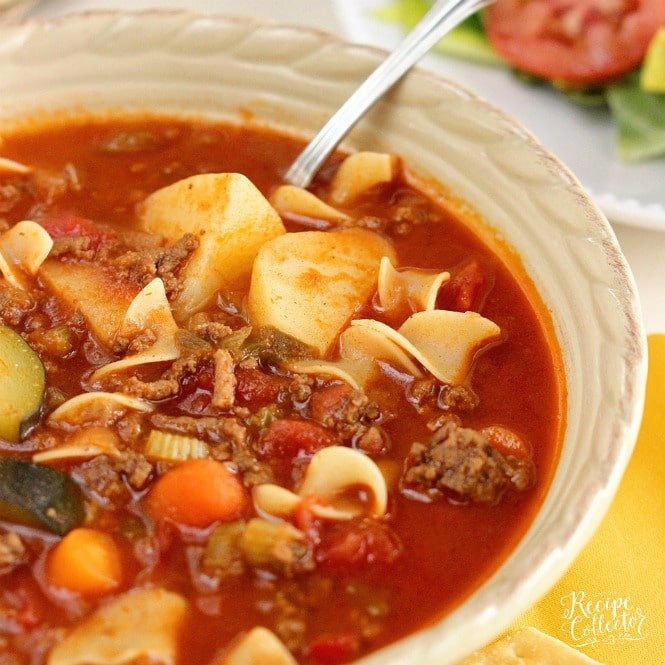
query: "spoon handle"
440, 19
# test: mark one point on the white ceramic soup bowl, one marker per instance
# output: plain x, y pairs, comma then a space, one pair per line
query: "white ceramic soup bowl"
290, 78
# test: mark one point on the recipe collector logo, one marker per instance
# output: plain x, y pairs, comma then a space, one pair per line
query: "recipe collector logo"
601, 618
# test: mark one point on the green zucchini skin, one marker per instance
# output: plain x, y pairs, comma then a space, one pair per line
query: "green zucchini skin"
39, 495
22, 386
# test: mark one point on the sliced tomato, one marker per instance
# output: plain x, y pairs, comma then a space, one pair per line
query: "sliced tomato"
579, 42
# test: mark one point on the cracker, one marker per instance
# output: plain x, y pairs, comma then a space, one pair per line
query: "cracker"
528, 646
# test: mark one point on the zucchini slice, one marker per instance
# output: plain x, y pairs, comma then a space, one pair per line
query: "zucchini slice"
39, 495
22, 385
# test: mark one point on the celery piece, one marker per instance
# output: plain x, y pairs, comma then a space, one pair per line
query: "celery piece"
223, 555
174, 447
278, 546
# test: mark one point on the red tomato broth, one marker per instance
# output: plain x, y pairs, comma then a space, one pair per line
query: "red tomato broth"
518, 383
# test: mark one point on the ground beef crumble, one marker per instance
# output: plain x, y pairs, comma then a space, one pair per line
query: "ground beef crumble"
151, 390
76, 247
15, 304
164, 262
168, 385
430, 395
110, 478
458, 463
212, 331
224, 430
225, 381
351, 415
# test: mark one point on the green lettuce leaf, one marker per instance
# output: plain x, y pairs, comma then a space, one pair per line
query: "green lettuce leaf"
640, 120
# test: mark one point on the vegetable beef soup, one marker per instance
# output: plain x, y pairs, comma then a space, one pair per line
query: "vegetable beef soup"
242, 420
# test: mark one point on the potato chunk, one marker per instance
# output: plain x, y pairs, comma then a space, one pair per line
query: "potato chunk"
80, 286
259, 646
309, 284
141, 624
231, 219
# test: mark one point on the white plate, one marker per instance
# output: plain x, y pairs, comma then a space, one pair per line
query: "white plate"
582, 138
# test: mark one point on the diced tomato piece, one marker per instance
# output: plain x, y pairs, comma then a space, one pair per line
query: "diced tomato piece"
333, 649
465, 290
329, 400
196, 390
204, 379
197, 403
358, 545
290, 438
63, 224
256, 387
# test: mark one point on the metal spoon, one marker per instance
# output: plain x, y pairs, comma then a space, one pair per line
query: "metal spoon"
440, 19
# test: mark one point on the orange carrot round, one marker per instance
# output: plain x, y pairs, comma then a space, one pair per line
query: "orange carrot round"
85, 561
197, 493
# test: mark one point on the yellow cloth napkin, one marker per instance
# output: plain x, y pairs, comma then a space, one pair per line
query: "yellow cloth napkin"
610, 605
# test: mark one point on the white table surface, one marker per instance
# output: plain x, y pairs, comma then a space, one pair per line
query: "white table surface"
644, 249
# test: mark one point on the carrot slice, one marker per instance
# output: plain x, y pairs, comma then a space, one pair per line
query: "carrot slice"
86, 561
197, 493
